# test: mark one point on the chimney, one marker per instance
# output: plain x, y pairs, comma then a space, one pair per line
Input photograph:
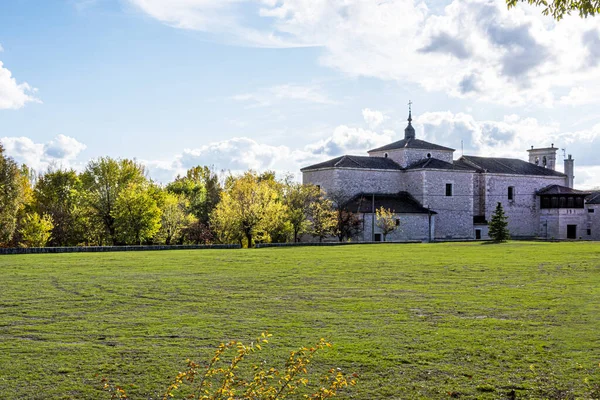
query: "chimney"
569, 168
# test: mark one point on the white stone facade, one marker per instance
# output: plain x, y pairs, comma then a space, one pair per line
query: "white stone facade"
462, 194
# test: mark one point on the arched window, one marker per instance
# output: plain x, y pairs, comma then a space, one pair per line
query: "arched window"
537, 161
385, 155
544, 161
428, 155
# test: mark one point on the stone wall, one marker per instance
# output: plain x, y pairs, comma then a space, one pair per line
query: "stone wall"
523, 212
592, 221
454, 219
554, 221
412, 227
352, 181
409, 156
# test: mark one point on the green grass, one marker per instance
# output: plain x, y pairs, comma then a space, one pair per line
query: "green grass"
415, 321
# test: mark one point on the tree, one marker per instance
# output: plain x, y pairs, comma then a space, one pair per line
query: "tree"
386, 221
174, 218
558, 8
136, 215
59, 195
298, 199
103, 180
250, 209
348, 224
201, 188
323, 218
13, 196
35, 230
498, 228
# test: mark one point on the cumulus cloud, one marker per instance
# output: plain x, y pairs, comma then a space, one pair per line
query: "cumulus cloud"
14, 95
373, 118
62, 151
487, 52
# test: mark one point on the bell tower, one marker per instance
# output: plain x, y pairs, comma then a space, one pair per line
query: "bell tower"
543, 157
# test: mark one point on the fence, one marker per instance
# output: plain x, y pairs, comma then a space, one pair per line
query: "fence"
98, 249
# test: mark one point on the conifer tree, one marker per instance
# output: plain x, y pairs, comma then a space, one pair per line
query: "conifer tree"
498, 230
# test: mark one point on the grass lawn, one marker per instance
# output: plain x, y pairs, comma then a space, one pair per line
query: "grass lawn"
414, 321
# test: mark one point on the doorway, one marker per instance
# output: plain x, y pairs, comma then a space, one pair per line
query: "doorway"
571, 231
478, 234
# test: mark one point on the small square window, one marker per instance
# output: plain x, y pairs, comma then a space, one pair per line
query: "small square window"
448, 189
591, 210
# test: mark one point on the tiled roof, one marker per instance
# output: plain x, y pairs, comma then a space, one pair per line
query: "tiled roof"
593, 198
411, 143
356, 162
558, 189
434, 163
506, 166
401, 203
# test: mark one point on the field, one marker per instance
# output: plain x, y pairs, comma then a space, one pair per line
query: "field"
515, 320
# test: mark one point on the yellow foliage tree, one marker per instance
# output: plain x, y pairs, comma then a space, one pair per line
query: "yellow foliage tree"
386, 221
323, 218
250, 208
35, 230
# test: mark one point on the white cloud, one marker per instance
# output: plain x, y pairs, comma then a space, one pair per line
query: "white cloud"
14, 95
62, 151
345, 140
269, 96
486, 52
373, 118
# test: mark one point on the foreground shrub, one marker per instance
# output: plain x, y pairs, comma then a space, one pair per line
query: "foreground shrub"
222, 379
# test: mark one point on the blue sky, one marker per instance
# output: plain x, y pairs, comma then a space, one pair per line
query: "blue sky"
280, 84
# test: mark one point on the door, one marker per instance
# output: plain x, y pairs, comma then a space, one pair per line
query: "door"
378, 237
571, 231
477, 234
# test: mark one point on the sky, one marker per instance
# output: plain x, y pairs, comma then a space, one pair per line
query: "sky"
282, 84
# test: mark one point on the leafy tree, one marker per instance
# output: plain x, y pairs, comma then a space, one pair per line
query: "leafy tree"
348, 223
386, 221
35, 230
498, 228
323, 218
298, 199
103, 180
196, 232
250, 209
136, 215
201, 188
174, 218
13, 196
59, 195
559, 8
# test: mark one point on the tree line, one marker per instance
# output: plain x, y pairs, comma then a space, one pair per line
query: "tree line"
113, 202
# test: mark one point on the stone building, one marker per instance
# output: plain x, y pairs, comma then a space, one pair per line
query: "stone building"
437, 197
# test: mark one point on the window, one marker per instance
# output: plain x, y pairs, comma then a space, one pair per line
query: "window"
589, 232
591, 210
377, 237
385, 155
397, 221
544, 161
448, 189
511, 192
428, 155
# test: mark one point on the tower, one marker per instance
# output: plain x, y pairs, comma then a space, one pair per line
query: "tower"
544, 157
409, 131
569, 169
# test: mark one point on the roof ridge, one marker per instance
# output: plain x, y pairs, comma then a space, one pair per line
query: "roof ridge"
354, 161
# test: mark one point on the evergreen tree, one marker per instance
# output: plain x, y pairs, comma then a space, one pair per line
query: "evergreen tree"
498, 230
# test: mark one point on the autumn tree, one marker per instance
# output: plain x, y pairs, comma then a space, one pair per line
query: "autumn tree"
103, 180
174, 218
559, 8
250, 209
13, 196
201, 188
348, 224
498, 228
298, 199
135, 214
323, 218
58, 194
386, 221
35, 230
